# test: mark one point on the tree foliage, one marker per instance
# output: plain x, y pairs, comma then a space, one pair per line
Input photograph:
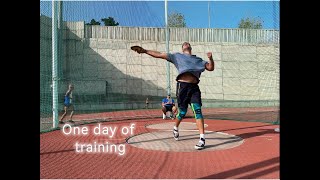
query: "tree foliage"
176, 19
250, 23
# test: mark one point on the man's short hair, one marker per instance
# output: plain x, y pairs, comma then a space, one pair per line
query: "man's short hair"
185, 43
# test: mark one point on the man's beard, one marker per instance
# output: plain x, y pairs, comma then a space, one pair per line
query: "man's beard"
187, 49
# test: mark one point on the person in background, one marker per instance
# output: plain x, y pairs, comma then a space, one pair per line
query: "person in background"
147, 103
168, 105
68, 106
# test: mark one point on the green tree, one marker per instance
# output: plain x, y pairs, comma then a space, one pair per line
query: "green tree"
109, 21
93, 22
176, 19
251, 23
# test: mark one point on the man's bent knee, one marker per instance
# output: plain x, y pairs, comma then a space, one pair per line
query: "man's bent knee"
196, 108
182, 113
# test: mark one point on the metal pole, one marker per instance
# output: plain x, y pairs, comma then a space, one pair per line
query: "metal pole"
209, 13
274, 20
167, 47
54, 64
60, 31
274, 15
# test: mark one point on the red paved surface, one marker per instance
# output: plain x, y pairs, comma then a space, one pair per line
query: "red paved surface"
265, 114
257, 157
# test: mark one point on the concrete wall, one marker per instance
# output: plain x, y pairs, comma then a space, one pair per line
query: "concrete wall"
242, 72
45, 45
45, 64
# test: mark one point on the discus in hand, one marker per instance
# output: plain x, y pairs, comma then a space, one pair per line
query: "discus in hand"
138, 49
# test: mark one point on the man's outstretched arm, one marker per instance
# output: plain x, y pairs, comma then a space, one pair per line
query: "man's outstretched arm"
157, 54
152, 53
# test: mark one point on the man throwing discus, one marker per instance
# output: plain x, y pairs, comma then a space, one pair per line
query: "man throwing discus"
189, 68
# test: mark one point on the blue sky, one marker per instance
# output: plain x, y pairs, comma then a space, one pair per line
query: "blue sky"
224, 14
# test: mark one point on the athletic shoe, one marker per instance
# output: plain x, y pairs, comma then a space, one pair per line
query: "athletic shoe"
200, 144
176, 134
164, 116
